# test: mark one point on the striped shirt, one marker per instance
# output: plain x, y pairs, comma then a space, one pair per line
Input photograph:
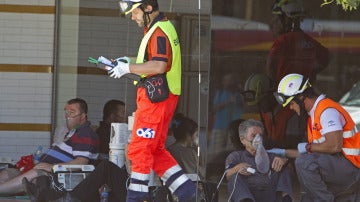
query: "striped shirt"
79, 142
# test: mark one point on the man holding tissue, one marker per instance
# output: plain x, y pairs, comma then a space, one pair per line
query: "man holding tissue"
159, 65
327, 164
253, 174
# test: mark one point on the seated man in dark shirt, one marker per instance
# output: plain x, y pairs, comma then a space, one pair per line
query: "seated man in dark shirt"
79, 147
253, 174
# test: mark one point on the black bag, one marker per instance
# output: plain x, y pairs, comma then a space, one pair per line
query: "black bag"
157, 88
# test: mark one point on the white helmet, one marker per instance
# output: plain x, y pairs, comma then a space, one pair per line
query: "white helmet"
126, 6
291, 8
290, 86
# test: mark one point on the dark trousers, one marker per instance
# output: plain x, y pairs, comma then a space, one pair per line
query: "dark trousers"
105, 173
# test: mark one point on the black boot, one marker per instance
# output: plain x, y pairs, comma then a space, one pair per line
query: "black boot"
41, 189
30, 190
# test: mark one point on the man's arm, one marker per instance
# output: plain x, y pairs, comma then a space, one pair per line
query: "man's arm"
332, 144
239, 168
278, 163
290, 153
77, 161
149, 68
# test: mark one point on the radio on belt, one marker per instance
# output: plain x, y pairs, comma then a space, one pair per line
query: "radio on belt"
71, 175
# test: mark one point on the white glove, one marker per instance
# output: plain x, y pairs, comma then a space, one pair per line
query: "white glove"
124, 59
302, 147
121, 68
277, 151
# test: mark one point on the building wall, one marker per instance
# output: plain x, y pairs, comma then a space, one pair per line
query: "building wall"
26, 48
26, 64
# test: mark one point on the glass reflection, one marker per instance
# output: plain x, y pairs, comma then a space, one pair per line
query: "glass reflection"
258, 45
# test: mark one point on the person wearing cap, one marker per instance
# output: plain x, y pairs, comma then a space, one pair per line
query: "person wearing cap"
158, 57
293, 51
327, 164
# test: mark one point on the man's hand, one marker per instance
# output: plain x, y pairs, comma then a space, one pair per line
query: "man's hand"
121, 68
239, 168
278, 163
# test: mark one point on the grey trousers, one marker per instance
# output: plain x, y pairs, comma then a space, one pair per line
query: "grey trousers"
258, 189
325, 177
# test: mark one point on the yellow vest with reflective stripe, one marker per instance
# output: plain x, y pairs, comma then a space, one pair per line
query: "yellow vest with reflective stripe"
173, 76
351, 137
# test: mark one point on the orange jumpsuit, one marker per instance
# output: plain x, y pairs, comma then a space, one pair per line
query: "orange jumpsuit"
146, 150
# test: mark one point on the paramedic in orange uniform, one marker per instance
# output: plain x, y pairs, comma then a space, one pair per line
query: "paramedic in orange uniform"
159, 54
327, 164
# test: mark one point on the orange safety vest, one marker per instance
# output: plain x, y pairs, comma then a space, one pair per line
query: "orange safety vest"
351, 137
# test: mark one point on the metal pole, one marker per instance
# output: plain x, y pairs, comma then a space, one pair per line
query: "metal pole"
55, 68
